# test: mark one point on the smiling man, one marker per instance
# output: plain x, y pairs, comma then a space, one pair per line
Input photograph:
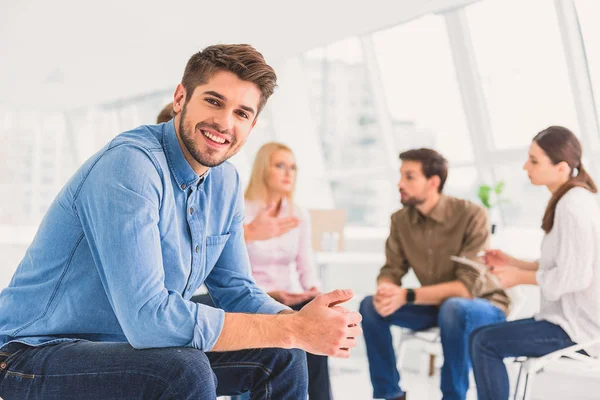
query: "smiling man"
429, 229
140, 226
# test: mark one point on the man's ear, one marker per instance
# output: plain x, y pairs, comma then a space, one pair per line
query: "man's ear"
179, 99
435, 181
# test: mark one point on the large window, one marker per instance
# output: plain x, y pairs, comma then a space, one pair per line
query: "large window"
421, 88
525, 203
523, 70
343, 107
588, 12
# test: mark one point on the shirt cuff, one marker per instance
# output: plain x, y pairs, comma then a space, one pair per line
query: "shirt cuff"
271, 307
209, 325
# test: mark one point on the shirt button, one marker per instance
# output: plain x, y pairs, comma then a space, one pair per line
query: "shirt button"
191, 210
196, 248
189, 287
183, 185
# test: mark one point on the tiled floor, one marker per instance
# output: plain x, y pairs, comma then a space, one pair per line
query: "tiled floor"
350, 380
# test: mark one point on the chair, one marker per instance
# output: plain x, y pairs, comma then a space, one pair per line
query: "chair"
431, 340
327, 229
531, 366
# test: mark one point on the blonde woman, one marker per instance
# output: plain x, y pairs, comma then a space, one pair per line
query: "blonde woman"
278, 238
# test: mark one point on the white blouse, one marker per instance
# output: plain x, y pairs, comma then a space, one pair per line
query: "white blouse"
569, 269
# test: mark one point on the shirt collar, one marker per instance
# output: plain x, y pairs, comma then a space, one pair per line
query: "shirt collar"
438, 214
184, 174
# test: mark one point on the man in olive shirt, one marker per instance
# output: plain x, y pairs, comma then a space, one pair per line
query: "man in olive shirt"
429, 229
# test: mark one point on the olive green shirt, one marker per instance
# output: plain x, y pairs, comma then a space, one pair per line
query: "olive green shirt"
454, 227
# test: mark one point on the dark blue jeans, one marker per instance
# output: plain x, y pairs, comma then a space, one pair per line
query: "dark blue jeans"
319, 386
491, 344
101, 370
456, 318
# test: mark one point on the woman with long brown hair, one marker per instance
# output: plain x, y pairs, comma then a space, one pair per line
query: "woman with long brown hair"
568, 272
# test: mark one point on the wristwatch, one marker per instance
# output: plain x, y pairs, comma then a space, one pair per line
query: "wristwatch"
410, 296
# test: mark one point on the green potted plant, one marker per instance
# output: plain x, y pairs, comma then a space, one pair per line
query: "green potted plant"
490, 197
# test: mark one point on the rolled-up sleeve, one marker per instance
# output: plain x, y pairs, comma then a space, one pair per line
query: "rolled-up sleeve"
119, 211
475, 239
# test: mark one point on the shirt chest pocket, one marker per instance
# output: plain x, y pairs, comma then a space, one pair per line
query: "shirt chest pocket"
214, 248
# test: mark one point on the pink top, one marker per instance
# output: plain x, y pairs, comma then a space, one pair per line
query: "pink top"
273, 261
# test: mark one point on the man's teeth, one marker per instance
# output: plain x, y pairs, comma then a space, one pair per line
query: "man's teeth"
213, 137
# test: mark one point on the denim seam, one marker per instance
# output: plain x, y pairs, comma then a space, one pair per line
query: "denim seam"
62, 276
266, 370
33, 376
20, 374
169, 161
127, 372
147, 151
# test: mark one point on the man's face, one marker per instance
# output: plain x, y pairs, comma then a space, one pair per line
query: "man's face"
217, 119
413, 185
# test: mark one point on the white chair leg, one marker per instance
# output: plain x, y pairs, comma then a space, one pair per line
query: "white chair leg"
528, 384
518, 382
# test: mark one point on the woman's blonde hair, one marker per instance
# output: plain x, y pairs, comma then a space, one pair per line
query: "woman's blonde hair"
257, 187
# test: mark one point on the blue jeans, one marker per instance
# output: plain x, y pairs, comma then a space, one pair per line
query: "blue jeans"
103, 370
491, 344
319, 386
456, 318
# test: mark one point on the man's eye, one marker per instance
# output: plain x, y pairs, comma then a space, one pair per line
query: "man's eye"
212, 101
243, 114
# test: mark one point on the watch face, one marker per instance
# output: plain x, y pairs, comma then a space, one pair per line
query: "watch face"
410, 296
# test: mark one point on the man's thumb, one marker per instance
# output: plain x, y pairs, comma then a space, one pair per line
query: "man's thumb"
335, 297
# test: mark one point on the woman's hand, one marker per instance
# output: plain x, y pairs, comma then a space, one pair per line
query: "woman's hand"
497, 258
508, 276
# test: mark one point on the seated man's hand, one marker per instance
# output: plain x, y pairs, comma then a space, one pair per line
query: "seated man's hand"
389, 298
325, 328
265, 226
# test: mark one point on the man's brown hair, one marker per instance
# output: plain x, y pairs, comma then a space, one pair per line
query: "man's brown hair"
165, 114
241, 59
432, 163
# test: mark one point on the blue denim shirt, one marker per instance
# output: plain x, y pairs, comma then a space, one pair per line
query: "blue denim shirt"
126, 243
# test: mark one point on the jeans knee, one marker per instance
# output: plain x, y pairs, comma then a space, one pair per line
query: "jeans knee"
477, 341
368, 312
453, 314
189, 371
293, 362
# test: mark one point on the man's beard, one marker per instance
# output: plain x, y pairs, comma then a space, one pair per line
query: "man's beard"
203, 157
412, 201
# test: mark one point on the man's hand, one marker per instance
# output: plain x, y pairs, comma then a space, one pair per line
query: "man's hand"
508, 276
265, 226
290, 299
323, 327
388, 298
